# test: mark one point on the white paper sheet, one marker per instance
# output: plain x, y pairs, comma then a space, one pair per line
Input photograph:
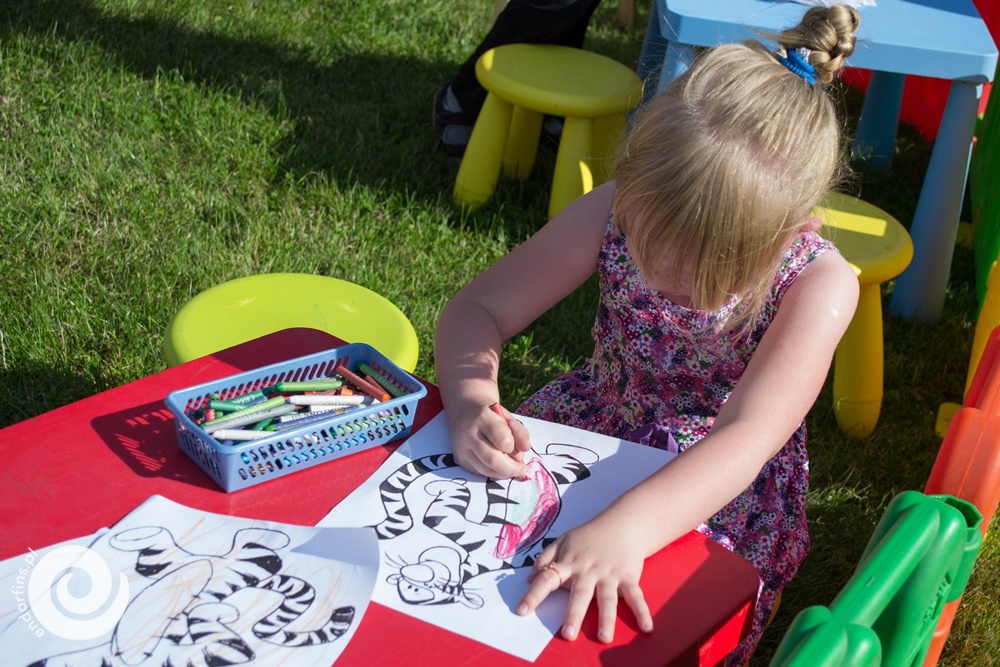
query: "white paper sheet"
190, 587
14, 574
457, 548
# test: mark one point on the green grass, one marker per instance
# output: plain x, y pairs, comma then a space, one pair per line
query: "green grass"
150, 150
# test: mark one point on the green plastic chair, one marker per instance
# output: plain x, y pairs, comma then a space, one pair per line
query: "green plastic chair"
984, 235
919, 558
246, 308
984, 174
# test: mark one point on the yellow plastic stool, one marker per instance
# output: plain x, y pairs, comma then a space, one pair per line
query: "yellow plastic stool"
878, 249
527, 81
247, 308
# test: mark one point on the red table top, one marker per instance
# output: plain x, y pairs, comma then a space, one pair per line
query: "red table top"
82, 467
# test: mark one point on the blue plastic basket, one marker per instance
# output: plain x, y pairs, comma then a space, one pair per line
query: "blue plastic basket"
244, 464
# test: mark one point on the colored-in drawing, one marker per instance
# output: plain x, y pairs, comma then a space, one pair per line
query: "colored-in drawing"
508, 531
207, 610
452, 544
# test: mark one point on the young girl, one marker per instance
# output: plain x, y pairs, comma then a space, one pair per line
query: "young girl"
720, 310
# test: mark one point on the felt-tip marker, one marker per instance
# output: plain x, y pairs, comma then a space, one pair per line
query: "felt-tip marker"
499, 412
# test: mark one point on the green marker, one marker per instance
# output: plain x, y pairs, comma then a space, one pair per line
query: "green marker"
251, 397
311, 385
248, 419
381, 379
225, 406
257, 407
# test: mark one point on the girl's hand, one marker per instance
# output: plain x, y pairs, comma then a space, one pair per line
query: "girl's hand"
601, 559
489, 443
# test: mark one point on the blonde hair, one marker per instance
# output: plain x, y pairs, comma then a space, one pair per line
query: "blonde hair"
723, 167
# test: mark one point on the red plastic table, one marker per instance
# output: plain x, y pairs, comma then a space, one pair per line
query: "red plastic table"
84, 466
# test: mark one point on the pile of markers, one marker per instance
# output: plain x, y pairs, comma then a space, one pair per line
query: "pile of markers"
289, 405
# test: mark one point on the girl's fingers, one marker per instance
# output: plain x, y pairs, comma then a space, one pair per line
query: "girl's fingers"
498, 430
543, 580
636, 601
474, 460
502, 445
546, 559
607, 612
501, 466
488, 462
522, 439
579, 601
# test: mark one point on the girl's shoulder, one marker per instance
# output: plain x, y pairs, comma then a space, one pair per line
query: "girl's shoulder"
809, 244
805, 248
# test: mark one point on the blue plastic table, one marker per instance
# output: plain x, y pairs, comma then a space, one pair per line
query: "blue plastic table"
945, 39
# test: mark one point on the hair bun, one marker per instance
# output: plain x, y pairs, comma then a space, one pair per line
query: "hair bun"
828, 33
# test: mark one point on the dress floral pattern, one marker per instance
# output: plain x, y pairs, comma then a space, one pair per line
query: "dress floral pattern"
659, 375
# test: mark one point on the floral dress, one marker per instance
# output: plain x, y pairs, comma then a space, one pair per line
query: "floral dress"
659, 375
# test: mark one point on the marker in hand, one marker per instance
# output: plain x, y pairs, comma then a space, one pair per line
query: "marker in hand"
499, 411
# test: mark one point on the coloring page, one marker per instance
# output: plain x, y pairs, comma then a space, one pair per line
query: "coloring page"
456, 548
14, 574
171, 585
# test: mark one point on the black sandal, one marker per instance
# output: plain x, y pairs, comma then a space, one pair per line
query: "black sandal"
451, 129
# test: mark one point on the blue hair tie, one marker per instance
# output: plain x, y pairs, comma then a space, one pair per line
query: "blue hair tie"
796, 61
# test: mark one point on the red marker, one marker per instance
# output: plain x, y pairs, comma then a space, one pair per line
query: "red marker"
369, 388
499, 411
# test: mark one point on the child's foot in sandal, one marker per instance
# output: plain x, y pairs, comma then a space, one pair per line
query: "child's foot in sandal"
452, 126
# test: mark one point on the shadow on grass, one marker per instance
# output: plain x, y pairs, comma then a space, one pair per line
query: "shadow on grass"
837, 545
348, 116
33, 388
852, 481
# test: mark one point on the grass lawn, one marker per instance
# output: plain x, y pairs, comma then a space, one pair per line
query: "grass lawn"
152, 149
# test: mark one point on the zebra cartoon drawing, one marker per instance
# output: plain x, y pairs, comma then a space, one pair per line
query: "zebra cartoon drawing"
509, 533
206, 610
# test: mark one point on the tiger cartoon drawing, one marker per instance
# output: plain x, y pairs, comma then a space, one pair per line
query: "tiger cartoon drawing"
510, 533
209, 609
